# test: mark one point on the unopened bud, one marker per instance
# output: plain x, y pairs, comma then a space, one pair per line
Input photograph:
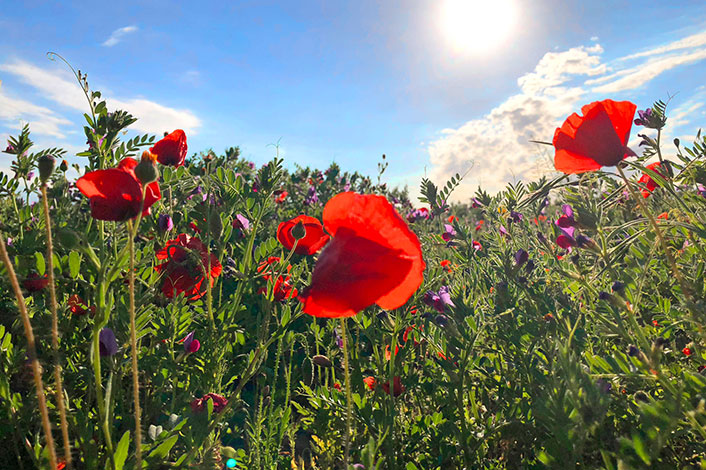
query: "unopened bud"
64, 166
45, 165
322, 361
146, 171
299, 231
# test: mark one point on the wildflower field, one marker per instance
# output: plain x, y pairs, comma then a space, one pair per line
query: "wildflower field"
162, 308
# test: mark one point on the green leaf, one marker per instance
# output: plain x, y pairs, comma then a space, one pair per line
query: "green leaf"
162, 450
121, 451
41, 265
74, 264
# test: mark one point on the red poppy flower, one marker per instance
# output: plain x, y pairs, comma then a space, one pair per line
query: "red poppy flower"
388, 354
596, 139
312, 242
373, 257
78, 307
35, 282
116, 193
397, 387
687, 351
479, 225
663, 216
187, 261
648, 182
337, 386
370, 382
283, 289
446, 265
452, 218
198, 405
171, 150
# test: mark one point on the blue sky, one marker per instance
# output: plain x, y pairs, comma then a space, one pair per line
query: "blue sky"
349, 81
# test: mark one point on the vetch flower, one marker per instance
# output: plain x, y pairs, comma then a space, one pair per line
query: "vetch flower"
418, 214
116, 193
521, 257
185, 267
191, 344
313, 240
107, 342
199, 405
439, 300
171, 150
165, 223
373, 257
449, 233
596, 139
649, 119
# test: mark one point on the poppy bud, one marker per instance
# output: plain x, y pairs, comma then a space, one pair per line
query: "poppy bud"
64, 165
266, 390
146, 171
67, 237
299, 231
633, 351
45, 165
266, 401
215, 225
322, 361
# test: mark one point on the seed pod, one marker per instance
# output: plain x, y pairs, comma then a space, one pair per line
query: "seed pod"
299, 231
146, 171
322, 361
45, 165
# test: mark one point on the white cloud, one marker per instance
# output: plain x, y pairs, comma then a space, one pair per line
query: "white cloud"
118, 35
61, 87
191, 77
14, 113
496, 146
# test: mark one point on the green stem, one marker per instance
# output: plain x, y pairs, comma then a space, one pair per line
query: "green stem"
133, 346
31, 352
349, 398
59, 392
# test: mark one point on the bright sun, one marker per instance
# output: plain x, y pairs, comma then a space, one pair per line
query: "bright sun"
477, 26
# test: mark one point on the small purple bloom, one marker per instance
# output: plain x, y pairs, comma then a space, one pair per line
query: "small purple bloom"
449, 232
10, 148
30, 175
475, 203
311, 197
347, 186
701, 189
165, 223
9, 241
241, 222
515, 217
521, 257
197, 190
503, 231
439, 300
191, 345
358, 466
107, 342
251, 165
338, 338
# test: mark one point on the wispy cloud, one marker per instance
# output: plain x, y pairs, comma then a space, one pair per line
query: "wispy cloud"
15, 112
118, 35
495, 146
60, 87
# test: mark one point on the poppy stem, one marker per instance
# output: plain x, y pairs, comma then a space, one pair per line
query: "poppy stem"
133, 346
59, 392
31, 352
670, 258
349, 398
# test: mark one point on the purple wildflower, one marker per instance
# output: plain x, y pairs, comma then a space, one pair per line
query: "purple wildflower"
449, 232
701, 189
107, 342
240, 222
311, 197
191, 345
165, 223
521, 257
515, 217
347, 186
439, 300
475, 203
503, 231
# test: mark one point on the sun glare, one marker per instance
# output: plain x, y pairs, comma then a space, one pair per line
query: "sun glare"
477, 26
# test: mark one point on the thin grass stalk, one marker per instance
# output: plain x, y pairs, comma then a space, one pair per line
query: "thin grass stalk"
31, 352
55, 332
133, 346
